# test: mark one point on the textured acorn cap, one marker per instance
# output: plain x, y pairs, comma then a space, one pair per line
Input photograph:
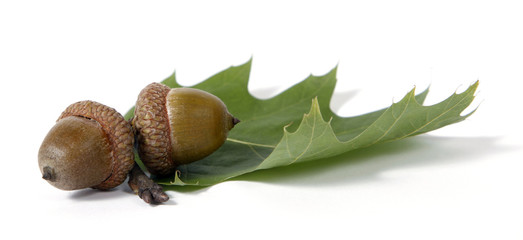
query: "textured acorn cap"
178, 126
90, 146
150, 122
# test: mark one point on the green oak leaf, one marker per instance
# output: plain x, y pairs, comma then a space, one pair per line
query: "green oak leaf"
292, 127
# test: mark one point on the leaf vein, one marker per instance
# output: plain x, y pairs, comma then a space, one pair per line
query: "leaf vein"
394, 123
290, 106
310, 142
431, 121
256, 152
250, 143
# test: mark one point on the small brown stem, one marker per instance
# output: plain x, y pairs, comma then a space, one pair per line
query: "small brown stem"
146, 188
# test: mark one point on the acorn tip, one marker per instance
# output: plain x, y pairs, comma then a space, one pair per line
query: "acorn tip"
47, 173
235, 121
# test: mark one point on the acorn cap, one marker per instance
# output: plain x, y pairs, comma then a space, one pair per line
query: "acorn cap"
115, 133
150, 122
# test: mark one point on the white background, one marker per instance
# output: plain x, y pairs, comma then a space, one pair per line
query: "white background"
460, 182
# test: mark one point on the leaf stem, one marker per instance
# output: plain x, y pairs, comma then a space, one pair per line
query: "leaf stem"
250, 143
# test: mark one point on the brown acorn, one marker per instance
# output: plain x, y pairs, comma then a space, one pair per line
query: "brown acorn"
91, 145
178, 126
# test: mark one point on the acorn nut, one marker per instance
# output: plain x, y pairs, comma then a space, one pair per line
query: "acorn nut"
178, 126
91, 145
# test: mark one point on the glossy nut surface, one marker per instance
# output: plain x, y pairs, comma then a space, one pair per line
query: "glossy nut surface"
91, 145
75, 154
199, 123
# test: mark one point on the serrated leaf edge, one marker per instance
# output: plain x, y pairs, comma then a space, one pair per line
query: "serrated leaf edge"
315, 114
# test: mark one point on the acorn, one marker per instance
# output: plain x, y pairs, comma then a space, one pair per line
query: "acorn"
178, 126
91, 145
